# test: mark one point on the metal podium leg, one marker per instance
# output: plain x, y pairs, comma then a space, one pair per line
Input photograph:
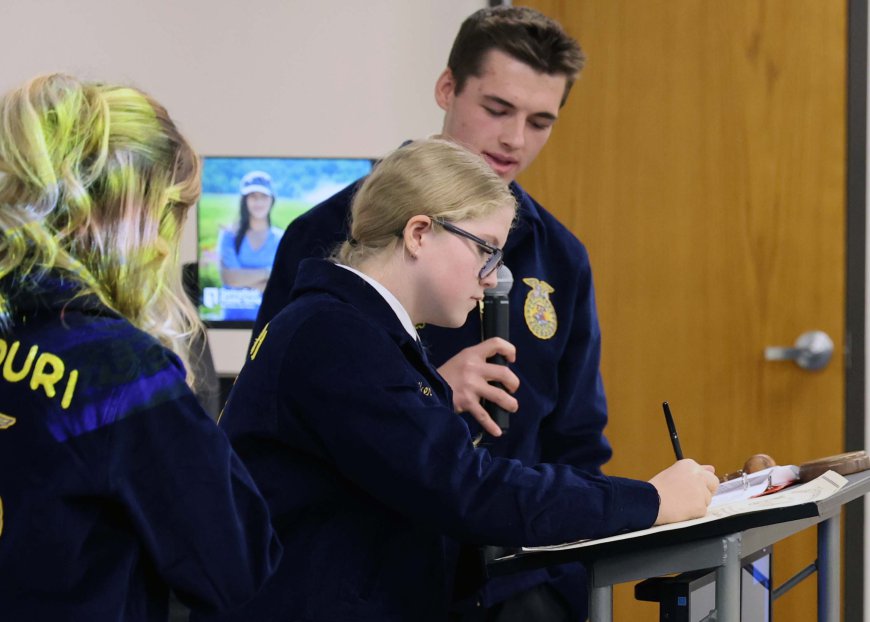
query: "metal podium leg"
728, 582
600, 603
829, 569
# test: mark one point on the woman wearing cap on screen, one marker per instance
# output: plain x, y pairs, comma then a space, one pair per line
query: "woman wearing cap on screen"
247, 253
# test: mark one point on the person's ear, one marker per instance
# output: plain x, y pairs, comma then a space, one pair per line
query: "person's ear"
445, 89
414, 234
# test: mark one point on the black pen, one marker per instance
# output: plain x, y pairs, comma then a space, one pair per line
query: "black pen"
672, 430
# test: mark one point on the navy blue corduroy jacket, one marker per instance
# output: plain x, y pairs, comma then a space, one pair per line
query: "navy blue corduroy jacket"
371, 478
115, 485
554, 326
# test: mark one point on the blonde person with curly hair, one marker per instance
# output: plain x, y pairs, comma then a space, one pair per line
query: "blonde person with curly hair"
115, 486
349, 431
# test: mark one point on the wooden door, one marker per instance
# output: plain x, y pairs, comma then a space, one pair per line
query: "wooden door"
701, 158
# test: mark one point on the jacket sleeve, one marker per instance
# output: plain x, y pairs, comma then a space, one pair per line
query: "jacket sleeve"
348, 385
196, 510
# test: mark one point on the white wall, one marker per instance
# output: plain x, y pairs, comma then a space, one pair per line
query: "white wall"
262, 77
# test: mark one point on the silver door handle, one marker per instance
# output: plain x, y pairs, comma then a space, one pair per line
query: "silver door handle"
812, 351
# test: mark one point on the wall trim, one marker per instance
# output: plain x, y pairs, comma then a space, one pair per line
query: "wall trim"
856, 253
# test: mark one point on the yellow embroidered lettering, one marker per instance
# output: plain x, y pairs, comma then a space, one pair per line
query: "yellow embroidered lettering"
258, 342
10, 374
4, 347
70, 389
6, 421
49, 378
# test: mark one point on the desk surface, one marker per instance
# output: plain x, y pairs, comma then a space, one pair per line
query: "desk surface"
858, 485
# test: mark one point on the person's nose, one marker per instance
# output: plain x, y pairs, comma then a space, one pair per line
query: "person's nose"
490, 280
513, 132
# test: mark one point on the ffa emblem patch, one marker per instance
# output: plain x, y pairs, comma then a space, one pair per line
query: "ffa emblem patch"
6, 421
539, 311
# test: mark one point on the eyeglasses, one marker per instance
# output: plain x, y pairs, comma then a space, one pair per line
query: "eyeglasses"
496, 255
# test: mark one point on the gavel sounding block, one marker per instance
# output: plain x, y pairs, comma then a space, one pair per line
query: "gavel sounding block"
844, 464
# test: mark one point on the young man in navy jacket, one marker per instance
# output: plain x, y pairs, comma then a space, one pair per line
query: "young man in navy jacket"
509, 73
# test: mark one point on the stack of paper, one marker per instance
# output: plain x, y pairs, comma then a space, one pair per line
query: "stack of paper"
754, 484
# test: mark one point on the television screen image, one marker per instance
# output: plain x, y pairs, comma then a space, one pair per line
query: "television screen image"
245, 206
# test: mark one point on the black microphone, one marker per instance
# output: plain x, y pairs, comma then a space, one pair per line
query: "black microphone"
496, 316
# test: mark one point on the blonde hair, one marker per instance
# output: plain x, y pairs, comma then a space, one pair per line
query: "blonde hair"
95, 181
431, 177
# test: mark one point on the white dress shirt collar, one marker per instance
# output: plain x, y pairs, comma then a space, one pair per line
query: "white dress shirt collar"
394, 303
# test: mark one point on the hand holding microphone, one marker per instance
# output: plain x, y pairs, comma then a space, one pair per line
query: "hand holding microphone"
480, 372
496, 323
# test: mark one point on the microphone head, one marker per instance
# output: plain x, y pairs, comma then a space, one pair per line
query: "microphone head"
505, 282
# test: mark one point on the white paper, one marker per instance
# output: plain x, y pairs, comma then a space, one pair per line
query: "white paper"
753, 484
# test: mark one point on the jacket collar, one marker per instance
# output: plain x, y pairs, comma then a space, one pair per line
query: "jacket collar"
54, 291
323, 276
528, 216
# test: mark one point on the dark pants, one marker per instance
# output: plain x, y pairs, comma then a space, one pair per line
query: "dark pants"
539, 604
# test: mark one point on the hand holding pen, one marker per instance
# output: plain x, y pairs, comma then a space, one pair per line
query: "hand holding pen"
672, 430
686, 487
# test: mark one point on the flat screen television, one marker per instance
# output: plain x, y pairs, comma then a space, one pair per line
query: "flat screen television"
245, 206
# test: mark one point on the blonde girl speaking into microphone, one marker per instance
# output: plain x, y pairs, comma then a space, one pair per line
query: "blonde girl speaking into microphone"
372, 480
